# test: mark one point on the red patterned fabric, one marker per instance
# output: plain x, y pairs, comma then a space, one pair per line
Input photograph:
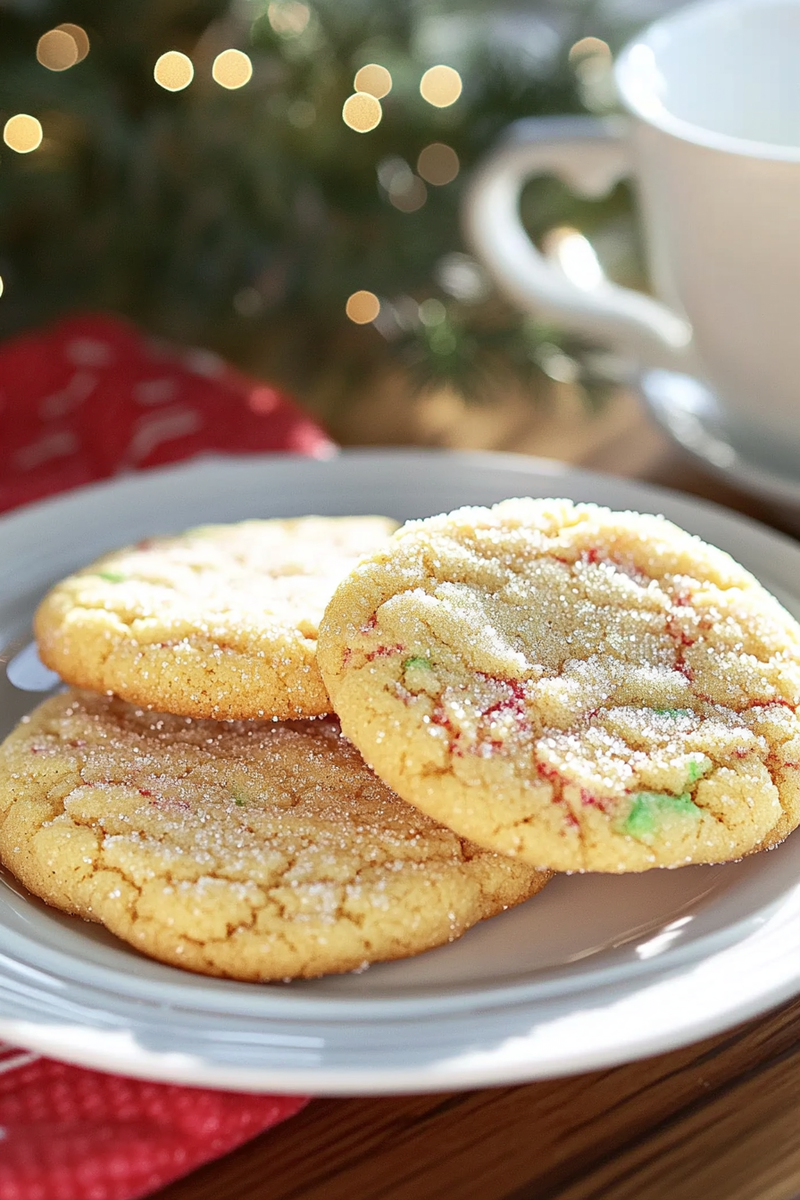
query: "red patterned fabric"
90, 397
71, 1134
84, 400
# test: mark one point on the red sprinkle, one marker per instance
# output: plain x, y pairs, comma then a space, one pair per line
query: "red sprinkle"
440, 717
549, 773
384, 652
595, 801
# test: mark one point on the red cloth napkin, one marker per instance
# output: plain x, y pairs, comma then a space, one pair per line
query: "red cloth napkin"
83, 400
90, 397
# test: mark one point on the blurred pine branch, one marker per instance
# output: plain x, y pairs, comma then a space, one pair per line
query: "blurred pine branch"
243, 220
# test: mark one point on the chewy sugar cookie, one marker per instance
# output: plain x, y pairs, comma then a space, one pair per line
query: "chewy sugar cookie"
218, 622
585, 689
254, 850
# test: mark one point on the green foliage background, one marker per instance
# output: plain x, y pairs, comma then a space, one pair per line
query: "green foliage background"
222, 218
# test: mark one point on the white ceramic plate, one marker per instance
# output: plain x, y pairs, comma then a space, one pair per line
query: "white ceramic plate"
595, 971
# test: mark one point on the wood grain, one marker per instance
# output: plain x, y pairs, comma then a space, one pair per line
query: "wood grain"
719, 1120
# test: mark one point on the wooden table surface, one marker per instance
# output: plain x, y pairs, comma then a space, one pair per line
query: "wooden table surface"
718, 1120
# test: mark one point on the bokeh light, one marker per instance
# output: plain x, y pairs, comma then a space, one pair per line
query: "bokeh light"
432, 312
394, 171
462, 277
2, 285
288, 17
362, 307
79, 36
232, 69
591, 59
556, 364
174, 71
408, 196
362, 112
373, 79
57, 50
22, 133
589, 47
575, 255
438, 164
441, 86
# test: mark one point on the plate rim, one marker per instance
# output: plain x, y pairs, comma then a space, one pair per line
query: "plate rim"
330, 1082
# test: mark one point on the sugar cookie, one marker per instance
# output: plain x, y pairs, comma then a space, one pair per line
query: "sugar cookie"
584, 689
218, 622
255, 850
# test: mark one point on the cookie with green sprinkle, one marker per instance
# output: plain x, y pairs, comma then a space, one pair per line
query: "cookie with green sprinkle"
254, 850
218, 622
584, 689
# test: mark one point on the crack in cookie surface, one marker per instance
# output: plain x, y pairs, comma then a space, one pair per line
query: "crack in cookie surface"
218, 622
254, 850
584, 689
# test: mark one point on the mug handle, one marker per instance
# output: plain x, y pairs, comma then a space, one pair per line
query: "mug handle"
590, 154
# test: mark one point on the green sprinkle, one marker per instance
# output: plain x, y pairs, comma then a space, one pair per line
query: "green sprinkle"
417, 662
697, 768
650, 808
112, 576
238, 799
673, 712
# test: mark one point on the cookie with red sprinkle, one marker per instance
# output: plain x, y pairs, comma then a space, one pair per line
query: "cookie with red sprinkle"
254, 850
581, 688
220, 621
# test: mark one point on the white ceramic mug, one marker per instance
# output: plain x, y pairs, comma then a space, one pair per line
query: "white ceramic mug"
712, 141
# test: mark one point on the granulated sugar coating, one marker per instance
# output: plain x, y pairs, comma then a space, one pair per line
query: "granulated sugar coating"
586, 690
254, 850
219, 622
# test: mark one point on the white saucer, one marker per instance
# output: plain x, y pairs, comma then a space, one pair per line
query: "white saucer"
690, 414
595, 971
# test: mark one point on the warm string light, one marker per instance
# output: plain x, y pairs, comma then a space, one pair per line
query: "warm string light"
232, 69
591, 60
62, 47
2, 285
374, 79
362, 307
173, 71
362, 112
589, 47
57, 50
22, 133
441, 86
438, 164
79, 36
